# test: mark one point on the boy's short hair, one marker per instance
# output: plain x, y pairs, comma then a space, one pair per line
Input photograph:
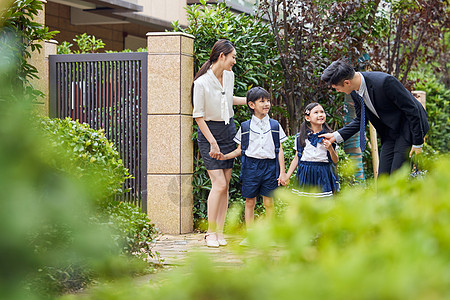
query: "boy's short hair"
256, 93
337, 72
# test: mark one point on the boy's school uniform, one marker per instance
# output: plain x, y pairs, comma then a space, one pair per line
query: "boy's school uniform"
259, 163
315, 166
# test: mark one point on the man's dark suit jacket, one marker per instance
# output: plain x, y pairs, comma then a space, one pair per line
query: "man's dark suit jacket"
399, 111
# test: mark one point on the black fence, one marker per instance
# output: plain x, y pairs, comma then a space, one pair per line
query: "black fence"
108, 91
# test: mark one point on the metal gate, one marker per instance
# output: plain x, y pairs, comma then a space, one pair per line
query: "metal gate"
108, 91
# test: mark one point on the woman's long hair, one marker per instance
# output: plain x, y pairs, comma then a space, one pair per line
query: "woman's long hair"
305, 128
221, 46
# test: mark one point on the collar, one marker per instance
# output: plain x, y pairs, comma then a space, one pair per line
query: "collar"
314, 138
260, 122
363, 87
215, 79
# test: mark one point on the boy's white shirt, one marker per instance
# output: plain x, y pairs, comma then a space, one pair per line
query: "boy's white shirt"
260, 143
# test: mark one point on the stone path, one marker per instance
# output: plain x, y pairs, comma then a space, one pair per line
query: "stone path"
174, 249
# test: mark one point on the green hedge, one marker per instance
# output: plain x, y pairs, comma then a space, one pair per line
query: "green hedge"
87, 153
438, 109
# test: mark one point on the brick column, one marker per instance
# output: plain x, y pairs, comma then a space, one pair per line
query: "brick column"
170, 146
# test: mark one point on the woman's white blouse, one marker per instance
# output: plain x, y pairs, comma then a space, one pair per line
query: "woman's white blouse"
311, 153
212, 101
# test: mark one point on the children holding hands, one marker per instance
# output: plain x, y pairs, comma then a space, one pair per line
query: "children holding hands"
262, 165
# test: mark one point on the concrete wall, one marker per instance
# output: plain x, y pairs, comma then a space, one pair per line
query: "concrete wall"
57, 17
167, 10
71, 21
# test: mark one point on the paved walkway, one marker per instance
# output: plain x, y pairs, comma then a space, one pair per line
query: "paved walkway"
174, 249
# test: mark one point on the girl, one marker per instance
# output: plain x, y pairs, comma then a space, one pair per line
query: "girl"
212, 97
314, 155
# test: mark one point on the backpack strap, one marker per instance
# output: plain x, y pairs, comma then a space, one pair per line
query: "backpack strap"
245, 136
299, 148
245, 139
275, 130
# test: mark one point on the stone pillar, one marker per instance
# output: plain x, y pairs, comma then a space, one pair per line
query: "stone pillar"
169, 135
40, 61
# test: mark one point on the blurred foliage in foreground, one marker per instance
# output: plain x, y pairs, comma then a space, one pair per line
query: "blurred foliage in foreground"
384, 241
54, 238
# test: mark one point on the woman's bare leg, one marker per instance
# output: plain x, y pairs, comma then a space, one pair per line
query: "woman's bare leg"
223, 204
219, 192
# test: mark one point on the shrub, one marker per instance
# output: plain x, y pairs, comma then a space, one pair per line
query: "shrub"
437, 106
132, 230
88, 153
20, 36
45, 231
86, 44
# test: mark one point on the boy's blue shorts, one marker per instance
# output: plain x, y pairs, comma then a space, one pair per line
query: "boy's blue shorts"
259, 177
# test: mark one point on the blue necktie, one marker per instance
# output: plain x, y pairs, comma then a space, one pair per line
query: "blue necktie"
362, 125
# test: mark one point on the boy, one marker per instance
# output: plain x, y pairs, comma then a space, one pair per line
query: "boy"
262, 161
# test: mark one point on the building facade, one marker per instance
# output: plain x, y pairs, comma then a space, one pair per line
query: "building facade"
122, 24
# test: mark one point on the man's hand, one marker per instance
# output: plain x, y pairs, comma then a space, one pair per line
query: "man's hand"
415, 150
329, 137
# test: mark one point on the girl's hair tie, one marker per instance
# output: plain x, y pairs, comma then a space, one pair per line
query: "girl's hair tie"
307, 112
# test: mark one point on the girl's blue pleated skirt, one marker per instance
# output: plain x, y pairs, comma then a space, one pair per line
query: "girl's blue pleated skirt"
316, 174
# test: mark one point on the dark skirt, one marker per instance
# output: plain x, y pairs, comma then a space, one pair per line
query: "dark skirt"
224, 135
316, 174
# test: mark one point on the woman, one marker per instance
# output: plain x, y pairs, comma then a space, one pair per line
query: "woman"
212, 95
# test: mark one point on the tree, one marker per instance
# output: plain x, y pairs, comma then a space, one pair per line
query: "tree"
412, 33
309, 35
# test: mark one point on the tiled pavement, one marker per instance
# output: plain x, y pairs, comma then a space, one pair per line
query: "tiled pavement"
174, 249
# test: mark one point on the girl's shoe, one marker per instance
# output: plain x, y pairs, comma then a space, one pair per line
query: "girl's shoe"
221, 240
211, 240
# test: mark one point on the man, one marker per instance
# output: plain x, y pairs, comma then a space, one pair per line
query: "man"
400, 120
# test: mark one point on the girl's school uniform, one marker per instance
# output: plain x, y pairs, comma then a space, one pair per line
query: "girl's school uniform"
214, 102
315, 167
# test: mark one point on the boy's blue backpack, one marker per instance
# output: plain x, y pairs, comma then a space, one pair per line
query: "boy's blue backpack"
333, 167
245, 138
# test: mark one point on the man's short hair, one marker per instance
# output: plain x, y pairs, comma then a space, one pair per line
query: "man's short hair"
256, 93
337, 72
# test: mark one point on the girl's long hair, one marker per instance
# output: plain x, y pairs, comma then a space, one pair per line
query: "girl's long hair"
305, 128
221, 46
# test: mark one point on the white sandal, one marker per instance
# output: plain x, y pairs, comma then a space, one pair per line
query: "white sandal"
221, 240
211, 240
